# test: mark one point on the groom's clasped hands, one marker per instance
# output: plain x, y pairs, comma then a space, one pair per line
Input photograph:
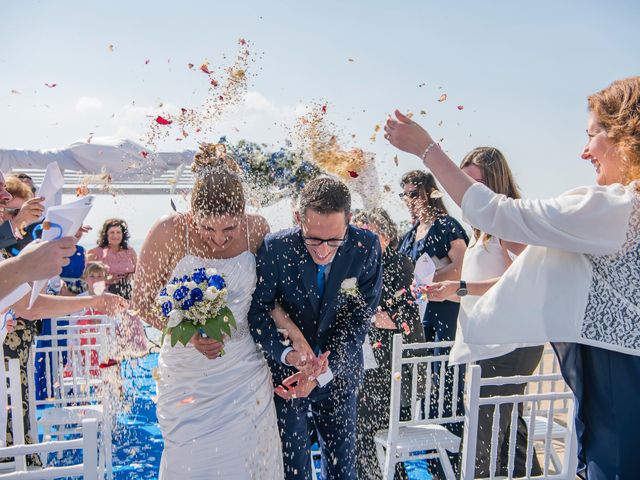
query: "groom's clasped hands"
310, 366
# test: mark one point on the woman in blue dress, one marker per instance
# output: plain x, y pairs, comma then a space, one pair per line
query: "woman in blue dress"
437, 234
440, 236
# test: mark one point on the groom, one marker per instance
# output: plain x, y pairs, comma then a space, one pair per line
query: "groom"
307, 270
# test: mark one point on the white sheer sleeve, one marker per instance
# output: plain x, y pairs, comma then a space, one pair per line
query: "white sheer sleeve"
592, 220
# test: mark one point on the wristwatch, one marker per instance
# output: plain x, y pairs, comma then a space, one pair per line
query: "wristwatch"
462, 289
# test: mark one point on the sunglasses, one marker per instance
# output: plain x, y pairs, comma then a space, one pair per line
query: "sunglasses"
410, 194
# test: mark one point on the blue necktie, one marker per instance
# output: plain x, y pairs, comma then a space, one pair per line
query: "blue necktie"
320, 278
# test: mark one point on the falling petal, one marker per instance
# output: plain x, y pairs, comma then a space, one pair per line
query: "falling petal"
16, 92
353, 174
436, 194
190, 65
214, 83
163, 121
423, 112
395, 160
387, 188
50, 85
460, 107
144, 154
205, 68
443, 97
242, 41
187, 400
351, 60
146, 62
110, 48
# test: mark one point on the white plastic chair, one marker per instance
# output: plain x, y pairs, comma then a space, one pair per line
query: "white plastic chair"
74, 383
88, 469
14, 397
419, 438
565, 469
549, 364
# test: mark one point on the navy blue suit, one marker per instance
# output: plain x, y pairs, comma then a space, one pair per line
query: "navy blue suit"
335, 322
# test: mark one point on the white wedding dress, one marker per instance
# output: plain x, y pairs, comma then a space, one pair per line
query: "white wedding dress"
217, 417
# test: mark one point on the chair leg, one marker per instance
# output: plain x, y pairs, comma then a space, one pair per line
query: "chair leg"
555, 459
446, 464
380, 453
389, 467
108, 449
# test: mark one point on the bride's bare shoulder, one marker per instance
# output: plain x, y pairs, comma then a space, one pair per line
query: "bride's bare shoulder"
167, 227
258, 228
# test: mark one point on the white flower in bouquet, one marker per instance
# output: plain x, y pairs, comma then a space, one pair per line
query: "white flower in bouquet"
211, 293
171, 288
175, 317
211, 272
191, 285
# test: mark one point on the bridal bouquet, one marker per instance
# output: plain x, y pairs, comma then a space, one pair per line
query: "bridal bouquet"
196, 303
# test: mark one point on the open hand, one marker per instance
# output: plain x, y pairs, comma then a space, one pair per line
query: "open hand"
111, 304
405, 134
441, 291
297, 385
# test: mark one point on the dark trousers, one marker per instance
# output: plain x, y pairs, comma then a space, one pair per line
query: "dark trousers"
334, 416
607, 388
522, 361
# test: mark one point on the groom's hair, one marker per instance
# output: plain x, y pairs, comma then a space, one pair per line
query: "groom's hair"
325, 195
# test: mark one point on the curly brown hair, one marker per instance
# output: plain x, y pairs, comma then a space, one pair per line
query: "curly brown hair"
103, 238
617, 108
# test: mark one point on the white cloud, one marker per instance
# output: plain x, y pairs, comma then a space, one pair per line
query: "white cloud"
85, 104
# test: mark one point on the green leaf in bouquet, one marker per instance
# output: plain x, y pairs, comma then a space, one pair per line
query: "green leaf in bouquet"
183, 332
213, 329
231, 321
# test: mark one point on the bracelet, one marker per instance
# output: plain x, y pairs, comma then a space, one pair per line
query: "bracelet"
427, 150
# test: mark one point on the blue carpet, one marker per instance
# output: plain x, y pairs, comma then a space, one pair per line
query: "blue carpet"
137, 441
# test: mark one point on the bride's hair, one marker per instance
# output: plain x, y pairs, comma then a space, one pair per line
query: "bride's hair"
218, 188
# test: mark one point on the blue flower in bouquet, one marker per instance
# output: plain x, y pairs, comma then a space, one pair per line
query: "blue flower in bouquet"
196, 295
180, 293
163, 292
187, 304
217, 281
199, 276
166, 308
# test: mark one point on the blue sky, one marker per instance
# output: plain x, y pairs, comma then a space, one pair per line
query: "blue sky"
522, 71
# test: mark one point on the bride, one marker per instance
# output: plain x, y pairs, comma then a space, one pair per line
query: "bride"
215, 410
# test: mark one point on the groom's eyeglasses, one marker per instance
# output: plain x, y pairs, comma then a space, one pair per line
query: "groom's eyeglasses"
316, 242
410, 194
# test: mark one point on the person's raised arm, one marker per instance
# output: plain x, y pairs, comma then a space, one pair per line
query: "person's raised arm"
583, 220
408, 136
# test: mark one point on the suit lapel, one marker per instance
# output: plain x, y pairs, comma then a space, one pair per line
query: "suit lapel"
339, 268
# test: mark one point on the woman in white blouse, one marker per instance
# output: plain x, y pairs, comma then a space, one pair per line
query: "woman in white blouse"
579, 281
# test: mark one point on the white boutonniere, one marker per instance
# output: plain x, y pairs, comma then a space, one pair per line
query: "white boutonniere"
349, 287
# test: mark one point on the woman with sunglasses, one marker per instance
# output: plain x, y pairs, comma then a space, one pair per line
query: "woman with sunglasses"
438, 235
